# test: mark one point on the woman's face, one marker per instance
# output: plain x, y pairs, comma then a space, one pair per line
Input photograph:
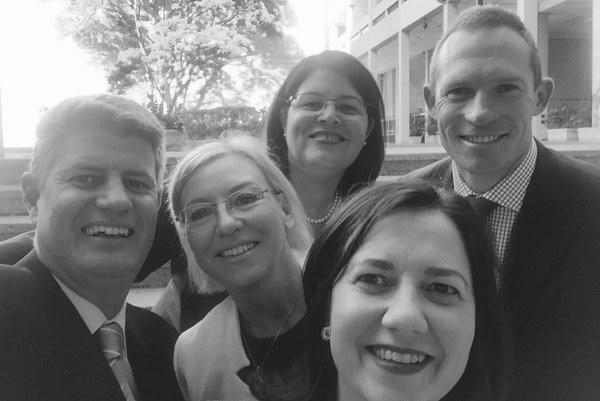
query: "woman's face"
403, 311
329, 137
239, 243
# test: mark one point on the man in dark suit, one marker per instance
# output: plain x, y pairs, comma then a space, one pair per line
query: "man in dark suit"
66, 332
485, 86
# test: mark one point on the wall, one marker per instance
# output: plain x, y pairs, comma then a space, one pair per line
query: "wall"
570, 64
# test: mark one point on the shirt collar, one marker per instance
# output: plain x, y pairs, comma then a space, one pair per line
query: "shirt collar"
91, 315
510, 191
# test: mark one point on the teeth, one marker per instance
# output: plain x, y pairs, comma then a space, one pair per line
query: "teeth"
481, 139
108, 231
238, 250
398, 357
327, 137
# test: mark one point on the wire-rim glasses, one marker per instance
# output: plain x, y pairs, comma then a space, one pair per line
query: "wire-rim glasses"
316, 102
203, 215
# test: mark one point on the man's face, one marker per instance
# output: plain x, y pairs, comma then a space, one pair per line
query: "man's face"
96, 211
484, 98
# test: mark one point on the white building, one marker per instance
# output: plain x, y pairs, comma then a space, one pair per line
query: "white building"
395, 38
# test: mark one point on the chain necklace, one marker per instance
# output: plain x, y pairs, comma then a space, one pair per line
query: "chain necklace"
332, 206
262, 364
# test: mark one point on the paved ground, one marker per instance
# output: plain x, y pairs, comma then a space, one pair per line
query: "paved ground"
425, 148
409, 149
144, 297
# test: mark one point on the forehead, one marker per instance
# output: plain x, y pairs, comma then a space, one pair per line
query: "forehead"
413, 241
219, 177
102, 150
330, 83
486, 54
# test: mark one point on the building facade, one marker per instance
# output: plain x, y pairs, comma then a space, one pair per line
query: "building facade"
395, 39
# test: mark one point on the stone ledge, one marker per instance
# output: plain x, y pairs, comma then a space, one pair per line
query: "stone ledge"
14, 225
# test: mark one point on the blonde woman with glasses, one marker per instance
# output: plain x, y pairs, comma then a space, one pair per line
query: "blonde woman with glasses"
243, 224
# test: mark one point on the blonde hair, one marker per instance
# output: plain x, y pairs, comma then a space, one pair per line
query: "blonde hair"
299, 236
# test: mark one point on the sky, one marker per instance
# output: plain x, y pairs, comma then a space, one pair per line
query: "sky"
38, 67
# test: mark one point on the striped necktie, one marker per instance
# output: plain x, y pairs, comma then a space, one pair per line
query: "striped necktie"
111, 339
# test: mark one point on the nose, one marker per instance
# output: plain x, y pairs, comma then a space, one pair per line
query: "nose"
329, 113
227, 223
480, 109
115, 196
405, 311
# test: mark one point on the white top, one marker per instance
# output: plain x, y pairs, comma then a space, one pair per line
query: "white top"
209, 355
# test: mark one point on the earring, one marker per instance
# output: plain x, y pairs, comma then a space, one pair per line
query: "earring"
365, 143
326, 333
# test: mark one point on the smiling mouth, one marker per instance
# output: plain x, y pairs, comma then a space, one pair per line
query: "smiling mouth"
238, 250
107, 231
482, 139
327, 137
403, 358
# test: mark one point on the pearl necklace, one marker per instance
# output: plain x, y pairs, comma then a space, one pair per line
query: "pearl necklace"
332, 206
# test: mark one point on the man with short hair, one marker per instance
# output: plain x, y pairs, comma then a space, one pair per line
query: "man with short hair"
544, 218
93, 191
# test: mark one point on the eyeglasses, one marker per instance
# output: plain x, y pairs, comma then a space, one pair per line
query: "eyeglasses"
314, 102
199, 216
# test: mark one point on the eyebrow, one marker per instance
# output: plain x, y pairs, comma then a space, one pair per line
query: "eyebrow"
322, 94
433, 271
445, 272
381, 264
462, 81
235, 188
85, 165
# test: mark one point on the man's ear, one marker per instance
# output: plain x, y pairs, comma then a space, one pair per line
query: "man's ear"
429, 96
543, 94
31, 194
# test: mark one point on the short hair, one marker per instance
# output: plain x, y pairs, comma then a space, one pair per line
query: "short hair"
299, 236
365, 168
489, 17
102, 112
487, 373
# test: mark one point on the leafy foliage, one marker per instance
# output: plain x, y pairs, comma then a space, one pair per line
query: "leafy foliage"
570, 114
200, 124
173, 48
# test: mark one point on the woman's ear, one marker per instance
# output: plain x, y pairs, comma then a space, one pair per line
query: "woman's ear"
31, 194
369, 128
288, 219
283, 112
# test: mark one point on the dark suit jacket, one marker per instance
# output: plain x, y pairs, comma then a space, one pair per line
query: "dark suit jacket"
48, 353
551, 280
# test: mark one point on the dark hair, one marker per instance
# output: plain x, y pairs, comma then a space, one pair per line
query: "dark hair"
102, 112
490, 17
367, 164
487, 374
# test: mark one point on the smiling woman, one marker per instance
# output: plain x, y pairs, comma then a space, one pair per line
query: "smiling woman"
402, 303
244, 226
324, 127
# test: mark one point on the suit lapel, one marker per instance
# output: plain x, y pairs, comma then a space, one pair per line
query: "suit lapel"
538, 238
138, 355
77, 355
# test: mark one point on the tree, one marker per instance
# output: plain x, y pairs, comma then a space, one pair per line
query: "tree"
172, 48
